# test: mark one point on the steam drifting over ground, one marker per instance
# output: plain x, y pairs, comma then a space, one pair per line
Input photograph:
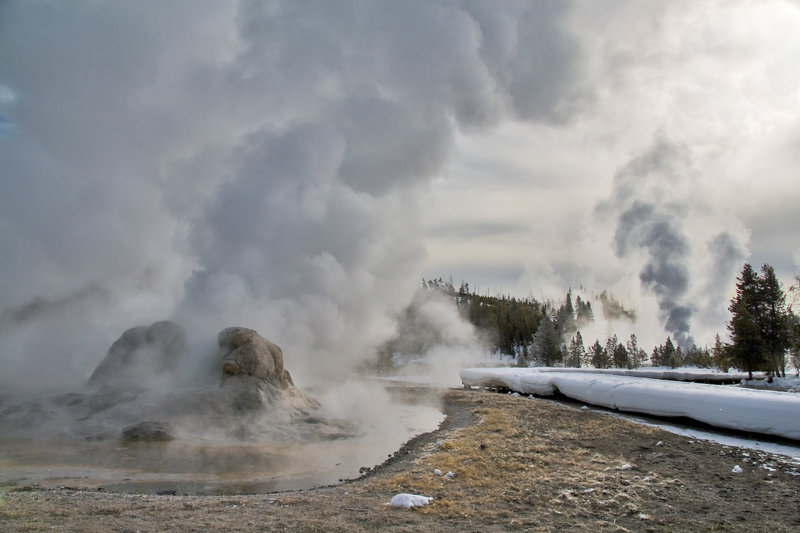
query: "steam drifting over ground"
295, 168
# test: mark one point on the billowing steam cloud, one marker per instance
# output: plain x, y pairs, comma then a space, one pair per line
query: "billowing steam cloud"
653, 214
251, 163
270, 164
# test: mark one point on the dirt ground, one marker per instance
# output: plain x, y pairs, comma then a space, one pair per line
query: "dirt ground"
520, 465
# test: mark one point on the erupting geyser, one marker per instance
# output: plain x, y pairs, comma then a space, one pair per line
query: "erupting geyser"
134, 395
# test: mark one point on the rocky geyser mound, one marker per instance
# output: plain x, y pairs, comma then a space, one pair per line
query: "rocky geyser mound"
135, 394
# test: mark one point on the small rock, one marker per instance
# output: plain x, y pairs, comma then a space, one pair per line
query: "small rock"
450, 475
737, 469
437, 472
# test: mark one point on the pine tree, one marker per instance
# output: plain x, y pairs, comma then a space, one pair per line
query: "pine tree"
546, 343
747, 350
620, 357
637, 356
774, 320
565, 318
611, 346
583, 312
698, 357
719, 354
667, 355
655, 357
577, 353
760, 325
676, 358
598, 355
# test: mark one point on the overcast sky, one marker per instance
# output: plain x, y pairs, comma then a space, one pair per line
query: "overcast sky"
298, 167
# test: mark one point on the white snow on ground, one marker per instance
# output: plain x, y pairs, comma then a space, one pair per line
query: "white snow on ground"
407, 501
790, 454
759, 411
791, 384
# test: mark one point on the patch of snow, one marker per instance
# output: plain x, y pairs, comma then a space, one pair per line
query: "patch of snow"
737, 469
437, 472
450, 475
407, 501
790, 384
791, 454
759, 411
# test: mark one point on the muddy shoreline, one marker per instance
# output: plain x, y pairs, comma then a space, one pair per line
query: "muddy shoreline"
519, 464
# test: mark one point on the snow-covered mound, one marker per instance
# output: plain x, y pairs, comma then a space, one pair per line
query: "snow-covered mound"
758, 411
704, 375
789, 384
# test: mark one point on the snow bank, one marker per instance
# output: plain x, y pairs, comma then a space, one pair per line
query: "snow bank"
784, 384
705, 375
758, 411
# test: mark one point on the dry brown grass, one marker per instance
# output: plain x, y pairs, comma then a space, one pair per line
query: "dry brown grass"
519, 464
484, 459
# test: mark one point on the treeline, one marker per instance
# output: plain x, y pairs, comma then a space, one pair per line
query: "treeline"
549, 334
763, 329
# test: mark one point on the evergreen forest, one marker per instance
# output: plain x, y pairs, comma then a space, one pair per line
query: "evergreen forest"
764, 331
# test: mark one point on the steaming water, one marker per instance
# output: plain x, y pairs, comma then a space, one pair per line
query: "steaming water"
208, 467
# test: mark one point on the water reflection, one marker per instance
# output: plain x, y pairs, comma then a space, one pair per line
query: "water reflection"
213, 467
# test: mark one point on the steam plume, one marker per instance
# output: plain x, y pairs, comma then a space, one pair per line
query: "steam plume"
249, 163
654, 228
